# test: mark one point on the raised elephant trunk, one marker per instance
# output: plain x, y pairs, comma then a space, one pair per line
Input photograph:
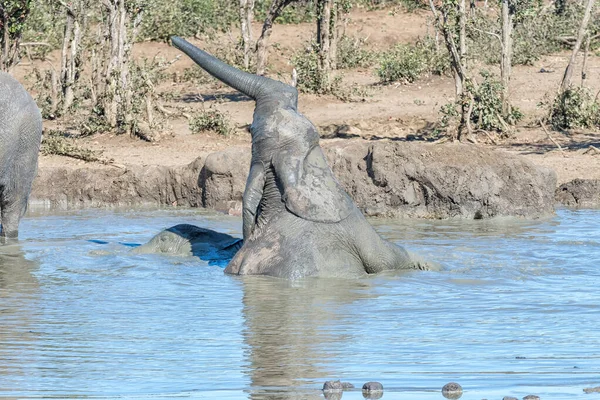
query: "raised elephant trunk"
259, 88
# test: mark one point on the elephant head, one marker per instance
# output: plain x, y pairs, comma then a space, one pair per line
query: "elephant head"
297, 219
20, 138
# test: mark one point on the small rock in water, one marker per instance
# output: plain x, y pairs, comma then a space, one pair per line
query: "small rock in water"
452, 390
509, 398
332, 395
592, 390
347, 385
531, 397
372, 390
333, 386
372, 387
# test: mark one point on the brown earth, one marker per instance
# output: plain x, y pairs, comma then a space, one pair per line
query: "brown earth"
393, 112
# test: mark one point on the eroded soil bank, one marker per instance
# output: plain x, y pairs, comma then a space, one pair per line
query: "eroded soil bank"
385, 178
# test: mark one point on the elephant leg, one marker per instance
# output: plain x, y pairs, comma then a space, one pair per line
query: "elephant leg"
14, 193
377, 254
13, 207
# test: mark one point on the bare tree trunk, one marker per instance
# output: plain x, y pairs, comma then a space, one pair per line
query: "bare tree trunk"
121, 29
506, 60
457, 60
246, 17
53, 91
12, 19
324, 41
338, 25
71, 50
585, 58
462, 35
466, 98
97, 82
5, 39
566, 82
262, 43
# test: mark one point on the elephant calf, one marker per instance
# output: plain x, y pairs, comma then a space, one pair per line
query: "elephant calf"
191, 240
297, 219
20, 138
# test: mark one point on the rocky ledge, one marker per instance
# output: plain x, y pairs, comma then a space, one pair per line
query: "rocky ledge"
579, 193
385, 178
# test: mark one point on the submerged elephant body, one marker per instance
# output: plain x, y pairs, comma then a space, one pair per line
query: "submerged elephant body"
20, 138
191, 240
284, 245
297, 219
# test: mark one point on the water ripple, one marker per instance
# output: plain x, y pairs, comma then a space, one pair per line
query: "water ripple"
513, 312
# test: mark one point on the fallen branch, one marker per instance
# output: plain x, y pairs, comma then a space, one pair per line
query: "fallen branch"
35, 44
486, 133
593, 149
570, 40
550, 137
504, 124
488, 33
441, 140
160, 107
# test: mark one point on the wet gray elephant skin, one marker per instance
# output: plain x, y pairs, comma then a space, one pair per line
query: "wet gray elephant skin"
297, 219
20, 138
190, 240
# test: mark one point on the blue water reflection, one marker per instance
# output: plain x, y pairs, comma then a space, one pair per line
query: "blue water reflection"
514, 312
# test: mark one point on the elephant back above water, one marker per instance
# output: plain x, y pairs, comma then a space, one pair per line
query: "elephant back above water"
297, 219
20, 138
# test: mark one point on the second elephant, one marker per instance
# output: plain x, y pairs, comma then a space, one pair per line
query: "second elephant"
20, 138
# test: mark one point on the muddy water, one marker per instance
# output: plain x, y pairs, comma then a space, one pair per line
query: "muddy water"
515, 312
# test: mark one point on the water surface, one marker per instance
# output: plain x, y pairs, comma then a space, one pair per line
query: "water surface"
515, 312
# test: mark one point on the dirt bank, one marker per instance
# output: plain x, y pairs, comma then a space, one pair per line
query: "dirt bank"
395, 112
385, 178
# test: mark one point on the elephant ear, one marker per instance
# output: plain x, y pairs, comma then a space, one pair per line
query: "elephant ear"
310, 190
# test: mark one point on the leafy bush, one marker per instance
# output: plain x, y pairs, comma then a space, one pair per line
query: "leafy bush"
409, 5
487, 107
297, 12
576, 107
196, 75
211, 120
94, 123
163, 19
536, 34
57, 143
351, 53
306, 63
486, 113
310, 79
44, 25
408, 62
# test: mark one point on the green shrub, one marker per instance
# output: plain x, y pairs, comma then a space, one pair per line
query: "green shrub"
297, 12
403, 62
196, 75
94, 123
163, 19
58, 143
487, 106
408, 62
409, 5
536, 34
211, 120
309, 78
351, 53
486, 113
44, 25
576, 107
